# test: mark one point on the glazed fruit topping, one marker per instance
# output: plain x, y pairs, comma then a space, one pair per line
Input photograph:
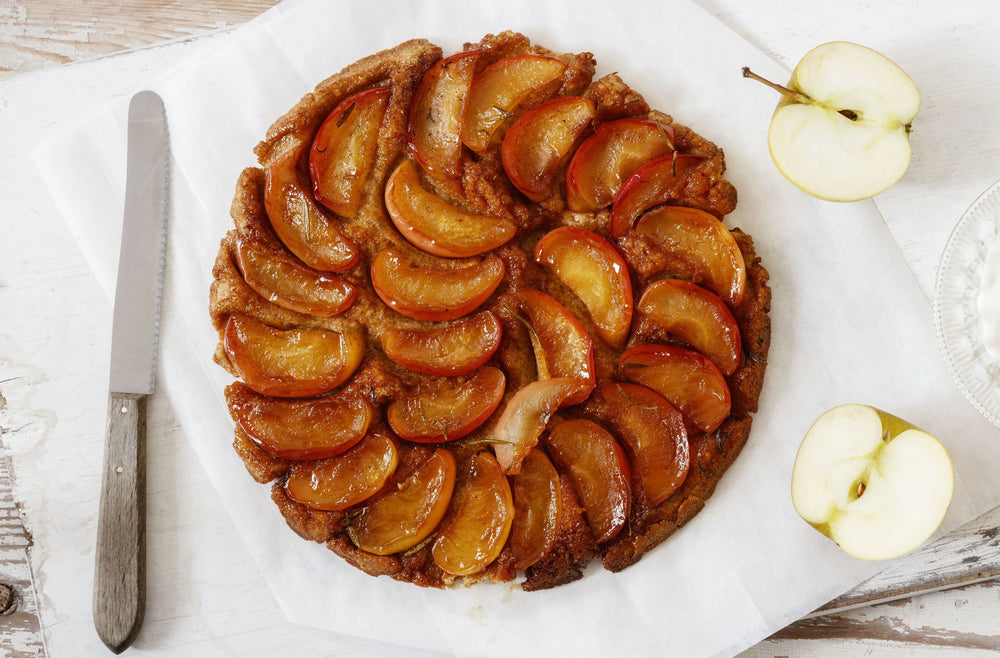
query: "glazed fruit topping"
447, 408
338, 483
457, 348
537, 502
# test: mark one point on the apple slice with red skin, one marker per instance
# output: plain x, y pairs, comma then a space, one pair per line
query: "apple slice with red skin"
343, 150
336, 483
458, 348
478, 531
436, 226
524, 418
300, 429
499, 92
400, 517
298, 220
655, 183
537, 504
436, 113
292, 362
596, 273
699, 247
687, 379
434, 294
283, 280
599, 470
651, 429
696, 315
536, 145
607, 158
446, 409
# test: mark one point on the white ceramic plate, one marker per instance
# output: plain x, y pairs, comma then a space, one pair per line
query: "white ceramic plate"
956, 316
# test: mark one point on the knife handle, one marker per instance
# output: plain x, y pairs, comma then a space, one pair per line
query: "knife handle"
120, 565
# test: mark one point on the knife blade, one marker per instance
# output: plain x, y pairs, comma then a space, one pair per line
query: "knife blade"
120, 560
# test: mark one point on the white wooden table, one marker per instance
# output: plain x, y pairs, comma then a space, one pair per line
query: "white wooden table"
205, 595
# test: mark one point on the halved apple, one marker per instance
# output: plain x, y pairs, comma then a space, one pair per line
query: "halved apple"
537, 503
298, 220
499, 91
536, 146
438, 227
435, 294
446, 409
481, 525
657, 182
697, 316
300, 429
873, 483
458, 348
687, 379
342, 153
599, 470
292, 362
596, 273
337, 483
607, 158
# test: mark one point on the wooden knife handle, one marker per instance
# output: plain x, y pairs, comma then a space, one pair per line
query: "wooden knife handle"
120, 565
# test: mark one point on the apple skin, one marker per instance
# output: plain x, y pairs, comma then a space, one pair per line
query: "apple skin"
873, 483
849, 138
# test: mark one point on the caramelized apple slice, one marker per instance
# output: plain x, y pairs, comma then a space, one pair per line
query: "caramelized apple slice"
434, 294
445, 409
524, 419
697, 316
536, 145
562, 346
687, 379
337, 483
436, 115
458, 348
537, 503
653, 431
279, 278
657, 182
479, 530
400, 517
599, 470
293, 362
699, 247
436, 226
608, 157
298, 220
500, 90
300, 429
343, 150
596, 273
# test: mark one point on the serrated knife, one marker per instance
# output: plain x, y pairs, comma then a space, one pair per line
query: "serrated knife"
120, 562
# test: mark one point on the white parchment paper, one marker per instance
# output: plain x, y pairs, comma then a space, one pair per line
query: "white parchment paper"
849, 325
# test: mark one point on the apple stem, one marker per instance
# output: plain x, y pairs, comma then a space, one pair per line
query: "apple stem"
799, 96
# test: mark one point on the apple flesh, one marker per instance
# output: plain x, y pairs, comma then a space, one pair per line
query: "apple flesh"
343, 481
873, 483
655, 183
458, 348
447, 409
537, 495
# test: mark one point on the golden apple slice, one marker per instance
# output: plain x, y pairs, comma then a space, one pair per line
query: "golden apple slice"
599, 470
402, 516
337, 483
436, 115
537, 503
446, 409
434, 294
687, 379
699, 247
300, 429
293, 362
697, 316
596, 273
655, 183
500, 90
608, 157
536, 146
298, 220
480, 527
437, 226
279, 278
458, 348
343, 150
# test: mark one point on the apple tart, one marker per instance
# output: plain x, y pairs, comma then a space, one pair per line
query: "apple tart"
485, 320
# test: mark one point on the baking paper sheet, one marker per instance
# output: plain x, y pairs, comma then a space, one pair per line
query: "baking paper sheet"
849, 325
